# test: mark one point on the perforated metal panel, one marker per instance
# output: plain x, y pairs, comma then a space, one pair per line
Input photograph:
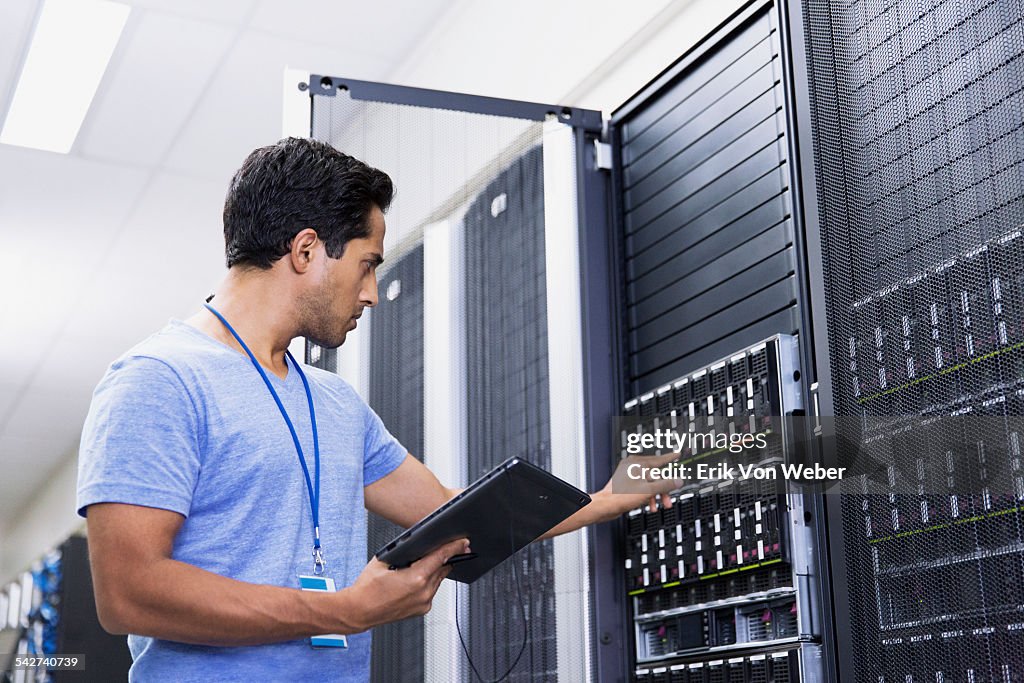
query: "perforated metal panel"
507, 379
396, 394
919, 148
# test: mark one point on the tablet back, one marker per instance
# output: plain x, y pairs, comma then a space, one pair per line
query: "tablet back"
500, 513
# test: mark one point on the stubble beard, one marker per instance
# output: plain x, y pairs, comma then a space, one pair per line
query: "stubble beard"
319, 325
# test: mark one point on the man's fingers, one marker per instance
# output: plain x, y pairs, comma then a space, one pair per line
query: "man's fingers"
440, 576
437, 559
665, 459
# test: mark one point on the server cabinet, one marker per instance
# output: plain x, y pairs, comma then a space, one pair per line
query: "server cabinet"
51, 610
396, 394
915, 185
474, 352
711, 257
509, 397
705, 202
718, 580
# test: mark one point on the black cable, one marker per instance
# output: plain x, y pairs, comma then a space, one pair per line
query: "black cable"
522, 604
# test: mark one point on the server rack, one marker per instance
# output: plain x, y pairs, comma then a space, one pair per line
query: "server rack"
51, 610
508, 396
79, 630
913, 173
719, 581
711, 255
491, 234
396, 394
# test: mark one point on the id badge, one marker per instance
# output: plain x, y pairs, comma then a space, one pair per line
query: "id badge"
326, 585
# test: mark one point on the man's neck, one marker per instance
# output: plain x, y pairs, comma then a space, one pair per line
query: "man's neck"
259, 314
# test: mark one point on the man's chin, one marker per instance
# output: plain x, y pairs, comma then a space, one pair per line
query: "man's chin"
329, 343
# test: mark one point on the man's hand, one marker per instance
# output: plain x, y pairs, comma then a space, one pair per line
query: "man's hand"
412, 491
381, 595
631, 493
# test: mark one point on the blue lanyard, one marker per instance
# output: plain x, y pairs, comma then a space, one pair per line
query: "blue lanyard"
314, 496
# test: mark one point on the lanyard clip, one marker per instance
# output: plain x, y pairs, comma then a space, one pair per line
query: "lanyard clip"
318, 560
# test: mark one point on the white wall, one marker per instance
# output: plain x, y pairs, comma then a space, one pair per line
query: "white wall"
43, 524
524, 53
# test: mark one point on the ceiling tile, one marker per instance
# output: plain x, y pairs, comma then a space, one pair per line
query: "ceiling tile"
229, 11
175, 228
23, 346
351, 25
10, 391
242, 110
533, 50
64, 199
59, 215
167, 259
70, 363
149, 92
57, 413
108, 336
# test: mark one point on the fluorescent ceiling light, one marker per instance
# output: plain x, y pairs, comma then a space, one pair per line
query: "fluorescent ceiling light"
72, 45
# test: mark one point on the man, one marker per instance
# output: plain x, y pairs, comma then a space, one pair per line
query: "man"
215, 471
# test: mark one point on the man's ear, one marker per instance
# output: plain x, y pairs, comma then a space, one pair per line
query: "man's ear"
303, 249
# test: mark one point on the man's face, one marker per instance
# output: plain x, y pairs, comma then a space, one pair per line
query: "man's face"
345, 287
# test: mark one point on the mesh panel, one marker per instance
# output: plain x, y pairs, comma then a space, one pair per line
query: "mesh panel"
396, 394
474, 185
508, 398
917, 110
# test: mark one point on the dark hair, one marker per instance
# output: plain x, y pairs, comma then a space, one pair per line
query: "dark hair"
297, 184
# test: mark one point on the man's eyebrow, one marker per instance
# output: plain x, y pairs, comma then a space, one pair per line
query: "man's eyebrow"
375, 257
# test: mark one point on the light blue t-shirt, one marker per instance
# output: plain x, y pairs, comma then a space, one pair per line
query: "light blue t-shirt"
184, 423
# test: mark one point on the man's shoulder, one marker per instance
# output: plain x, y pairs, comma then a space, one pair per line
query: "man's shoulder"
175, 348
333, 384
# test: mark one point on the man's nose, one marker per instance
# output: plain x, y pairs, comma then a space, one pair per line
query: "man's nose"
369, 294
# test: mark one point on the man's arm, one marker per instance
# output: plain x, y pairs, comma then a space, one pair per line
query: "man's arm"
605, 506
141, 590
407, 494
411, 492
622, 494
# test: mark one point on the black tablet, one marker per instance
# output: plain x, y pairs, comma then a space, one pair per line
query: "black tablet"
499, 513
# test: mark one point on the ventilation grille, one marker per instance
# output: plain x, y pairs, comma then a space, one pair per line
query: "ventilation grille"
705, 201
919, 152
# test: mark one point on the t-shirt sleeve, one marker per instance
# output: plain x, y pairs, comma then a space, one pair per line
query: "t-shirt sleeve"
140, 441
382, 453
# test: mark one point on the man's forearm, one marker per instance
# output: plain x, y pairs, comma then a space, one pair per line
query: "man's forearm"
176, 601
604, 506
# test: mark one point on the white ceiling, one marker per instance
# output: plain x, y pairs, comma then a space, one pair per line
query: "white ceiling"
101, 246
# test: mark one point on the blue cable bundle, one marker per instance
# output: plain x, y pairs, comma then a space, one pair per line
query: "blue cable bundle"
47, 579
